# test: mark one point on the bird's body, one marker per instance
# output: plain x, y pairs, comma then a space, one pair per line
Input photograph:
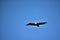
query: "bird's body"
36, 23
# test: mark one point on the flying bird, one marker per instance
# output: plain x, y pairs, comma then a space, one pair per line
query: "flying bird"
36, 23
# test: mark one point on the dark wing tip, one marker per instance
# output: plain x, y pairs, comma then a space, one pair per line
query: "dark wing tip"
45, 22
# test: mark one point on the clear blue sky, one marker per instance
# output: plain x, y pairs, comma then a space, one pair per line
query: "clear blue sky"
16, 14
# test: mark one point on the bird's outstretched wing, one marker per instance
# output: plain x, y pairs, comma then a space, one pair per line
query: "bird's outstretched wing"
31, 24
40, 23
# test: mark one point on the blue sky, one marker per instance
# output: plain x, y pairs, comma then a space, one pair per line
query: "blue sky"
16, 14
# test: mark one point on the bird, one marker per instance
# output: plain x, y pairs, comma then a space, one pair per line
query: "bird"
36, 23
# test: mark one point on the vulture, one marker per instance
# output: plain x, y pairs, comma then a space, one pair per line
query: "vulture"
36, 23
